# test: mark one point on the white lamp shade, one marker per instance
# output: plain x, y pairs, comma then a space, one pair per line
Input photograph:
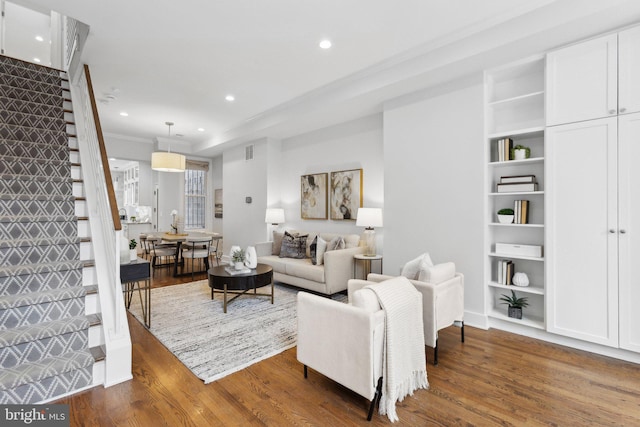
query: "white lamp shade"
274, 216
369, 217
168, 162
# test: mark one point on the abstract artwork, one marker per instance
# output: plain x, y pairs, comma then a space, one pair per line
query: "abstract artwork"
313, 196
346, 194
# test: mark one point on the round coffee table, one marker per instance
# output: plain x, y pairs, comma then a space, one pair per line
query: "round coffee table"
221, 281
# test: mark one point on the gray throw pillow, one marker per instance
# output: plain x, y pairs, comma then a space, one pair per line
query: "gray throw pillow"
293, 246
336, 243
277, 242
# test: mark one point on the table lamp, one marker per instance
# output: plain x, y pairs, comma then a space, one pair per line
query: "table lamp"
369, 218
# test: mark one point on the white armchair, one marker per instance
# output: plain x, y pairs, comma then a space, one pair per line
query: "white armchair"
442, 303
344, 342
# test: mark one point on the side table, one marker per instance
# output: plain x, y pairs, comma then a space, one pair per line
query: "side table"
131, 275
366, 263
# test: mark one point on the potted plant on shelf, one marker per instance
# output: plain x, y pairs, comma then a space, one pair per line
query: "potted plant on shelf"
133, 254
520, 152
238, 257
505, 216
515, 304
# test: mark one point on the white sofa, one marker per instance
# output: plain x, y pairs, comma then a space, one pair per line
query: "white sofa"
329, 278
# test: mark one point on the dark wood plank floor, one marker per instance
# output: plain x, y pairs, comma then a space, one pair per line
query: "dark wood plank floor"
494, 378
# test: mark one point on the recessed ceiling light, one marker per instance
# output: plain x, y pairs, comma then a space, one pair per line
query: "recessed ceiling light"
325, 44
200, 129
230, 98
36, 60
124, 114
112, 158
39, 38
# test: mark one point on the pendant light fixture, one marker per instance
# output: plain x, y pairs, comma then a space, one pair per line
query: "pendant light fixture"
167, 161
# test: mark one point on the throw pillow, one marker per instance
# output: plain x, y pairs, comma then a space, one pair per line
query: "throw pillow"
437, 273
412, 268
312, 250
321, 248
336, 243
277, 242
293, 246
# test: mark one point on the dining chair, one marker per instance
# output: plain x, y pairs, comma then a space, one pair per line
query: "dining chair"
161, 250
197, 248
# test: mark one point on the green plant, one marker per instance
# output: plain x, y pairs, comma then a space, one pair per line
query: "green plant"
521, 147
514, 301
505, 211
133, 244
238, 255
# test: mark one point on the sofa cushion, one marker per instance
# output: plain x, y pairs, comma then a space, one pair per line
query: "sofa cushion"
366, 299
303, 269
336, 243
318, 248
278, 264
277, 242
413, 267
437, 273
293, 246
351, 241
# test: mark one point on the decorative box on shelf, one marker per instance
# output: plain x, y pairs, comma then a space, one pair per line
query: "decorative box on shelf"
519, 250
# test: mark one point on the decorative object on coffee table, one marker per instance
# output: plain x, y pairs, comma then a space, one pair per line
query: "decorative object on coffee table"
251, 257
346, 193
238, 258
515, 304
313, 196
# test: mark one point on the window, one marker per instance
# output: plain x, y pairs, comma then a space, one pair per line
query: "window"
195, 194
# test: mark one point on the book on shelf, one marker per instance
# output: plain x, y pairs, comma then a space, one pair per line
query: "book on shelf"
505, 271
504, 149
517, 187
521, 212
516, 179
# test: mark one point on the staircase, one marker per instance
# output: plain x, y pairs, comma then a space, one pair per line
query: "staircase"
46, 276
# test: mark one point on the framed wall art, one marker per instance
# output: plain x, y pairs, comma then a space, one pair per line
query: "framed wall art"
313, 196
346, 194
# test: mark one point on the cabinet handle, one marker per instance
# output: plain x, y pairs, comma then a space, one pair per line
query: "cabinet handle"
623, 231
612, 111
622, 110
612, 231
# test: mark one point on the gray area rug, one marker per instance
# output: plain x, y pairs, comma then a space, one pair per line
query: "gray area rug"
213, 344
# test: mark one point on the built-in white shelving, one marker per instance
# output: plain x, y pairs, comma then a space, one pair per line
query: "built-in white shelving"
514, 109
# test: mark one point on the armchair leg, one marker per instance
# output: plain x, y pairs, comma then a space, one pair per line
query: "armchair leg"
376, 398
305, 371
462, 332
435, 354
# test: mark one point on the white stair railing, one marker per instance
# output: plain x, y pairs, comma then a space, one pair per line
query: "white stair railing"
106, 230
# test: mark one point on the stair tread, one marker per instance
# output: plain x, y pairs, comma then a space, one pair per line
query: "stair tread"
33, 298
41, 178
38, 197
61, 147
35, 371
59, 132
39, 218
98, 353
41, 241
8, 158
19, 270
29, 333
94, 319
91, 289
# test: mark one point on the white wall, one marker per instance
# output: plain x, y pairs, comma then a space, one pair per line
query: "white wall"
434, 174
352, 145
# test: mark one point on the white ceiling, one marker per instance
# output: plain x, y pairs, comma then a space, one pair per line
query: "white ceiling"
176, 60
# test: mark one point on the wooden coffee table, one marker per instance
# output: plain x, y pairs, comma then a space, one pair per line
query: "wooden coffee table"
239, 284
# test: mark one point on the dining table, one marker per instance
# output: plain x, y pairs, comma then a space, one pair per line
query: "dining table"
179, 238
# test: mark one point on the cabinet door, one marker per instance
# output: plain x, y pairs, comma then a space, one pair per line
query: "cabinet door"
581, 226
629, 71
582, 81
629, 237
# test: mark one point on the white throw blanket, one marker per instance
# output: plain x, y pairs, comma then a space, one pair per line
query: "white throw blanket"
404, 360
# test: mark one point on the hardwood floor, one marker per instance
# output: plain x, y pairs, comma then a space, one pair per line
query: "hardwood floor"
494, 378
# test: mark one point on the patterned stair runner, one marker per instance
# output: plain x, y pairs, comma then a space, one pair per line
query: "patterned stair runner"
44, 349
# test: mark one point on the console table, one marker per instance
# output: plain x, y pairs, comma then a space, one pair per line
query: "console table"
132, 275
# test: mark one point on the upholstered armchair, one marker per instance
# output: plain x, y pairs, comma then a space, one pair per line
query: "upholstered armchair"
343, 342
442, 301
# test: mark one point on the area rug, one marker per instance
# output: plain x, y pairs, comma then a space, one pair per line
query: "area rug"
213, 344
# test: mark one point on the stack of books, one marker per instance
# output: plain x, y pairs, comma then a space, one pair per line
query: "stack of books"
232, 271
521, 212
505, 272
515, 184
504, 149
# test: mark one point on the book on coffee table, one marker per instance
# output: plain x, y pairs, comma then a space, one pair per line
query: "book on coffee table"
232, 271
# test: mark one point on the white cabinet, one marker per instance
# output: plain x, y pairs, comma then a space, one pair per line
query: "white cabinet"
594, 79
629, 229
593, 208
582, 227
515, 109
